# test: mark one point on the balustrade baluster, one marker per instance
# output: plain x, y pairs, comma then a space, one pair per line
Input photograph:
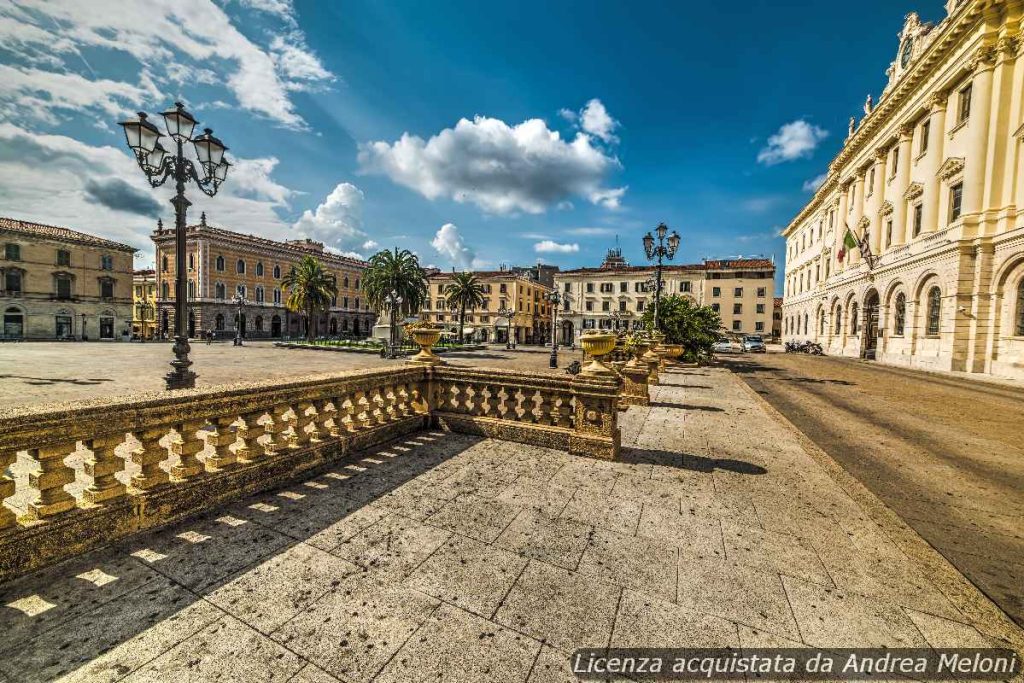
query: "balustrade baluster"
404, 409
348, 415
249, 432
48, 480
476, 400
379, 408
222, 441
503, 405
148, 457
187, 448
7, 485
544, 406
391, 400
364, 416
326, 418
305, 424
102, 467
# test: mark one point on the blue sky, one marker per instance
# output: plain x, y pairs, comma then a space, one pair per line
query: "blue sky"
473, 133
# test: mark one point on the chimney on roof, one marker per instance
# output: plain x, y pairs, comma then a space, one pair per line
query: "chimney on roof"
202, 219
159, 224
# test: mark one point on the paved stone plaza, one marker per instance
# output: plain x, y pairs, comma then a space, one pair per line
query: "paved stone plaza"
456, 558
43, 372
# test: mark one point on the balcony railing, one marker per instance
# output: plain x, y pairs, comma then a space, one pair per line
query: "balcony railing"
108, 468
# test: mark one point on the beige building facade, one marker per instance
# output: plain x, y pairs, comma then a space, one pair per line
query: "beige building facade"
58, 283
223, 265
515, 290
615, 295
144, 309
932, 179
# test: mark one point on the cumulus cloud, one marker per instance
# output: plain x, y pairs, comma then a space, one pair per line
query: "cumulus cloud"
190, 35
501, 168
596, 120
449, 244
116, 194
814, 183
794, 140
337, 221
552, 247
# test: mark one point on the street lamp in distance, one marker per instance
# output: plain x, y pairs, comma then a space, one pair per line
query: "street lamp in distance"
664, 249
508, 314
555, 299
239, 301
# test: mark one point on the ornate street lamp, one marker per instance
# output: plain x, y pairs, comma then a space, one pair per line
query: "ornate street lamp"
555, 299
159, 165
394, 303
508, 314
664, 249
239, 301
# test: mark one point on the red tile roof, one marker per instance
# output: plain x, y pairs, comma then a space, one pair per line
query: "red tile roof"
58, 233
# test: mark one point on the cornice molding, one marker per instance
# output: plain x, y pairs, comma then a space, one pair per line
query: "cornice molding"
950, 167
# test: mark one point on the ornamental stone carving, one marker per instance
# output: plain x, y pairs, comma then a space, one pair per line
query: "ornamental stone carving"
886, 208
950, 168
914, 191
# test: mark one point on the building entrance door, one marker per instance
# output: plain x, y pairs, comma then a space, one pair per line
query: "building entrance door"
870, 325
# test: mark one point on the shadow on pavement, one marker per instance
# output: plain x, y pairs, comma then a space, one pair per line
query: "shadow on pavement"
686, 406
685, 461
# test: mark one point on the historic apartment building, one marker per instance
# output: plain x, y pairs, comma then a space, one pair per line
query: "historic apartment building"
144, 309
58, 283
933, 179
223, 265
615, 295
516, 290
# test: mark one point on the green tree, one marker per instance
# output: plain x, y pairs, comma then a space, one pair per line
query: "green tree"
464, 291
311, 289
682, 322
394, 274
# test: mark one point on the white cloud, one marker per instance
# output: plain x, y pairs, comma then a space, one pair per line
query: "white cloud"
337, 221
193, 35
370, 245
814, 183
590, 232
596, 120
501, 168
794, 140
35, 93
552, 247
449, 244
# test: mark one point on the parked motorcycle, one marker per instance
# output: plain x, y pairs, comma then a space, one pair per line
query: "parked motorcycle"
809, 347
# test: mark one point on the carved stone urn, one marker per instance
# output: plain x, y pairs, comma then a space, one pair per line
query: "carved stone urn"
425, 337
596, 345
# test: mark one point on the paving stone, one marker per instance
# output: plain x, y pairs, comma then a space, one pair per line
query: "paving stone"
395, 545
311, 673
476, 517
552, 666
941, 632
645, 621
458, 647
537, 494
737, 593
591, 506
225, 650
584, 473
337, 532
831, 618
558, 541
632, 562
559, 607
773, 552
113, 640
693, 535
271, 593
353, 631
469, 574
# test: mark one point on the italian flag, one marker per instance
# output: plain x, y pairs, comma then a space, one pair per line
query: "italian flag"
849, 242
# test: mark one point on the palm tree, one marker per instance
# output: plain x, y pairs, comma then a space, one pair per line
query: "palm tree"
464, 291
395, 282
311, 289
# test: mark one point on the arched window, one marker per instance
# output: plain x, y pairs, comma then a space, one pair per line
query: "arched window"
934, 310
821, 321
219, 290
277, 296
259, 295
240, 267
277, 272
219, 321
259, 323
259, 269
164, 263
191, 289
899, 315
837, 322
191, 261
805, 324
357, 303
854, 319
1020, 309
220, 263
344, 281
240, 290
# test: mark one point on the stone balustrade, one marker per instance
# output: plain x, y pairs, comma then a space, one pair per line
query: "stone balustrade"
101, 470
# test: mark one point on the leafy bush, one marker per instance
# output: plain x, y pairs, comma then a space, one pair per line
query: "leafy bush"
682, 322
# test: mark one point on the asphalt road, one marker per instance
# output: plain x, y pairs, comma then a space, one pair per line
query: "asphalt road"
946, 454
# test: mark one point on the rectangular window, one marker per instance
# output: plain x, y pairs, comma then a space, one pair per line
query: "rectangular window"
964, 111
737, 309
956, 194
918, 214
63, 257
761, 292
12, 252
895, 160
738, 291
760, 308
107, 289
759, 326
568, 287
871, 181
623, 286
590, 305
716, 291
590, 287
606, 306
63, 288
888, 232
716, 307
925, 131
737, 325
622, 305
684, 286
640, 306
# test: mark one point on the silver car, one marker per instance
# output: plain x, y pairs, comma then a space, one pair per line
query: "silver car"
754, 343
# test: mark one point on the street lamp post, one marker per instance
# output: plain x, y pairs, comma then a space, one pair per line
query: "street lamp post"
508, 314
239, 301
665, 249
394, 303
555, 299
84, 336
144, 139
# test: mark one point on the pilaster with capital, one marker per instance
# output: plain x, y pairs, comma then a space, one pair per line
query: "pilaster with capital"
932, 162
899, 215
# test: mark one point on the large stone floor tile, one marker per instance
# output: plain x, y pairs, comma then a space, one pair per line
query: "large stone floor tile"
552, 666
114, 639
832, 618
941, 632
558, 541
458, 647
226, 650
271, 593
773, 552
337, 532
480, 518
353, 631
311, 673
562, 608
585, 473
537, 494
298, 518
693, 535
632, 562
469, 574
738, 593
594, 507
395, 545
645, 621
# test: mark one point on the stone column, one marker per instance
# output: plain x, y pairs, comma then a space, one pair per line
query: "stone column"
933, 160
877, 195
854, 257
900, 229
975, 158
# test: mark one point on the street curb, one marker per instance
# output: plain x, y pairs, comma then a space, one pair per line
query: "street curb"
984, 614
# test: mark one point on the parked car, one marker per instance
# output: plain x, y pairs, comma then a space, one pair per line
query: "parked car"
754, 343
725, 346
